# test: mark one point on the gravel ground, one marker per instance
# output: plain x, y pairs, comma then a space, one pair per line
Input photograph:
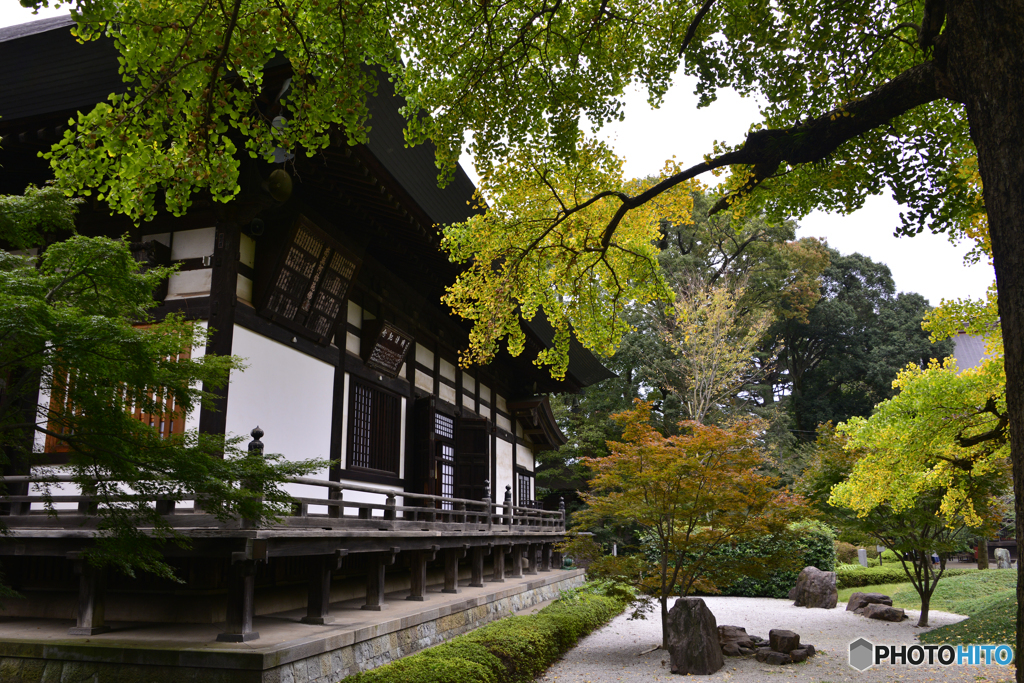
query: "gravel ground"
611, 653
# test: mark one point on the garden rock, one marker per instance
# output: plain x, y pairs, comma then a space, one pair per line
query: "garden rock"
693, 638
858, 601
815, 588
735, 641
798, 655
778, 658
884, 612
782, 640
1003, 558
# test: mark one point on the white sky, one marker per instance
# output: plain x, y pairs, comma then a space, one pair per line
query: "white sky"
927, 264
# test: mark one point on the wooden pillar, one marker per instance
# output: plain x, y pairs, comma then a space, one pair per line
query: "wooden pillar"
375, 579
223, 284
477, 565
91, 594
545, 557
499, 564
241, 603
451, 568
517, 561
531, 559
420, 558
318, 597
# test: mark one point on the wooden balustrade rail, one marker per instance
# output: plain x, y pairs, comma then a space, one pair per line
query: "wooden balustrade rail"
417, 511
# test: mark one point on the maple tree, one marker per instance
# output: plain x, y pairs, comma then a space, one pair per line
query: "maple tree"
693, 493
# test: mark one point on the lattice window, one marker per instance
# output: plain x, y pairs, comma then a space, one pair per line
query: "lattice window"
524, 489
444, 429
375, 429
167, 421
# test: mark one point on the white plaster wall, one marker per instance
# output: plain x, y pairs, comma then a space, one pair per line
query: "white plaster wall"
447, 370
446, 392
287, 394
424, 356
524, 458
424, 381
192, 243
468, 383
354, 315
247, 250
504, 423
499, 401
189, 283
485, 393
504, 469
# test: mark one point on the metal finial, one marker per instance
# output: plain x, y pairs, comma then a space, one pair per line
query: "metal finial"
508, 493
487, 488
561, 503
256, 445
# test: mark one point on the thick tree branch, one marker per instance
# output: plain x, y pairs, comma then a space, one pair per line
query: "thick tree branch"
692, 30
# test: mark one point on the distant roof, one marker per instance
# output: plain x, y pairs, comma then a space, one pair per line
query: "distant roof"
34, 27
969, 350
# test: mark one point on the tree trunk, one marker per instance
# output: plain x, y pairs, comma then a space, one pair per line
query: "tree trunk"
664, 622
925, 602
986, 71
983, 554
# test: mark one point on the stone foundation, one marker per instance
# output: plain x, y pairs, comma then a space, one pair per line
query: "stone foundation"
324, 658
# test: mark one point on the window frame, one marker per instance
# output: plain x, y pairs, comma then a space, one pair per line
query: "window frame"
395, 431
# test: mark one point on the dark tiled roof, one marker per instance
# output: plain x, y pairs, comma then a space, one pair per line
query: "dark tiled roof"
47, 71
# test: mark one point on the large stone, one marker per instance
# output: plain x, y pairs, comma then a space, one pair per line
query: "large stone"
693, 644
735, 641
815, 588
778, 658
782, 640
858, 601
799, 655
1003, 558
884, 612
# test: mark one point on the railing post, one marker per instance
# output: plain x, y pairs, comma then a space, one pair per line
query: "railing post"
561, 510
335, 511
389, 507
487, 504
508, 508
255, 451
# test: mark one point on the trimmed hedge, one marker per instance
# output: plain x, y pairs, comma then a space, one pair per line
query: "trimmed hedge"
513, 650
887, 573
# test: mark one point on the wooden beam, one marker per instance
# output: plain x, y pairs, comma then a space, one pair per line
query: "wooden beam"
531, 559
241, 603
375, 579
545, 557
91, 594
318, 598
420, 558
451, 568
498, 575
477, 565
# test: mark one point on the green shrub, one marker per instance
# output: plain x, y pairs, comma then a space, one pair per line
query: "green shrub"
815, 542
846, 553
513, 650
887, 573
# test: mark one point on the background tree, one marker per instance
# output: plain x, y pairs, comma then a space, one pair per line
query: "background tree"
71, 327
694, 493
841, 359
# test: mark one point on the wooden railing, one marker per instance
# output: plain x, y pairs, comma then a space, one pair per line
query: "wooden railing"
417, 511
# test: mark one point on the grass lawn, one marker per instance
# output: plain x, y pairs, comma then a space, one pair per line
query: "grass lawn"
987, 597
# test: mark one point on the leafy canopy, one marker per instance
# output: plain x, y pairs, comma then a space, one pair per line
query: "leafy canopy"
850, 106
